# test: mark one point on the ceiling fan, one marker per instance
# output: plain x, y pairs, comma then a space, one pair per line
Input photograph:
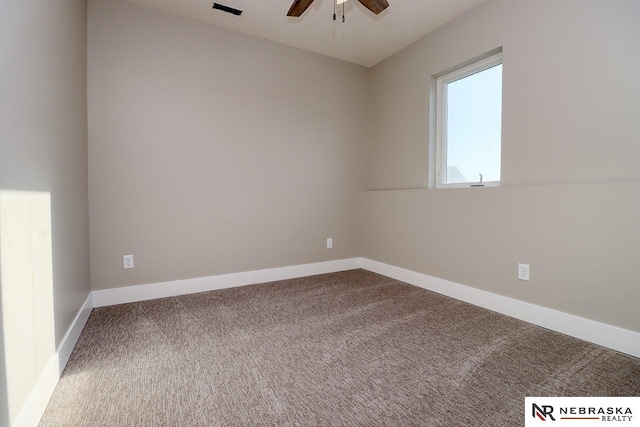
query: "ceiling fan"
299, 6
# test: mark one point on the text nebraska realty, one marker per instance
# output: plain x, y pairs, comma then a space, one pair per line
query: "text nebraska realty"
607, 414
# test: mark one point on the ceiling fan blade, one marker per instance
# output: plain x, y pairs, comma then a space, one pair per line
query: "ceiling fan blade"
298, 7
375, 6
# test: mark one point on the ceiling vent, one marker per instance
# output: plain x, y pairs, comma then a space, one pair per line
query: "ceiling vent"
227, 9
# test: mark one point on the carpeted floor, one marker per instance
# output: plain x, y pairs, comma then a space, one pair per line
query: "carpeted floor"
350, 348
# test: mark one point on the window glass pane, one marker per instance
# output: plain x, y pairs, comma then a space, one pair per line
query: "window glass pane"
474, 124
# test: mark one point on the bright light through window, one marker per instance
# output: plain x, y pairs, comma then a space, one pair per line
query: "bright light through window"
470, 124
26, 274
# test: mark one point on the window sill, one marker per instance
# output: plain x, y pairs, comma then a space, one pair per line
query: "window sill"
468, 185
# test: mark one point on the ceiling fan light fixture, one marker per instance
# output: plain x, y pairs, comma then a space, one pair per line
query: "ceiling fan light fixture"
335, 5
299, 6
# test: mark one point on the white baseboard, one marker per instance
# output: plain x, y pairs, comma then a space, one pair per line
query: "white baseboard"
128, 294
36, 404
589, 330
613, 337
609, 336
73, 333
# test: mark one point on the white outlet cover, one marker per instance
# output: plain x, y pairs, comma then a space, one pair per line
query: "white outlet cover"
127, 261
329, 243
523, 272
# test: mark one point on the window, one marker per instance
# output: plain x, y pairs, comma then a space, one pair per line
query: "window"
469, 125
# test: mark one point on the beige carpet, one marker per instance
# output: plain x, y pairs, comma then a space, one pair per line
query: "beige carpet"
350, 348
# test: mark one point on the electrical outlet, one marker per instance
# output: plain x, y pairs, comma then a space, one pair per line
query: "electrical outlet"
329, 243
127, 260
523, 272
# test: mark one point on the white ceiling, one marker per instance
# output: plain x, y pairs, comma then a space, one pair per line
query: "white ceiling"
364, 38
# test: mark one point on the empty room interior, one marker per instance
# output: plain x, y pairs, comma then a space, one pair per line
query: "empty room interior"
417, 212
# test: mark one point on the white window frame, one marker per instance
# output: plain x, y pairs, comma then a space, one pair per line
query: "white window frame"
441, 119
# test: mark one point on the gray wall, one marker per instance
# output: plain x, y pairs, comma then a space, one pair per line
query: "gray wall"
570, 197
211, 152
43, 133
